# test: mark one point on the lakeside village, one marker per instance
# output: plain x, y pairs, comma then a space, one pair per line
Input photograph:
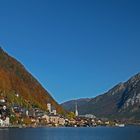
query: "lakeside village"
18, 116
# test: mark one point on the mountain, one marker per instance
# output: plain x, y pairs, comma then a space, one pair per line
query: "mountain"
16, 80
121, 102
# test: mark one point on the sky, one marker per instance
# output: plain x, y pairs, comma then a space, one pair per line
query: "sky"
75, 48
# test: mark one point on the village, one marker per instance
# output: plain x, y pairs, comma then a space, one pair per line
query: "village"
19, 116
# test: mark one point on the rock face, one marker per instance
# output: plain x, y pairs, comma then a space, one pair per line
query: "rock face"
14, 79
121, 102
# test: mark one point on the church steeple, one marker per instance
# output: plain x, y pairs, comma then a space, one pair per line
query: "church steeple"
76, 109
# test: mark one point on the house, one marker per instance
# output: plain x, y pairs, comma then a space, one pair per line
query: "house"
2, 100
57, 120
6, 122
1, 122
54, 112
46, 118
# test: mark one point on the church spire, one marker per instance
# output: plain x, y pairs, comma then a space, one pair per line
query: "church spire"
76, 110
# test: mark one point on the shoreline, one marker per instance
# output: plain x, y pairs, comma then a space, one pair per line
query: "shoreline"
20, 127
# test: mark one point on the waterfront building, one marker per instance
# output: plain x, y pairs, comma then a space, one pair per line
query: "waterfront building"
57, 120
6, 122
1, 122
90, 116
46, 117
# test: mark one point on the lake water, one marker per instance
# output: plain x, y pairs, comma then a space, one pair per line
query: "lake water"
98, 133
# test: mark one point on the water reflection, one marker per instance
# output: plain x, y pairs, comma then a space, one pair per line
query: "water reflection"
99, 133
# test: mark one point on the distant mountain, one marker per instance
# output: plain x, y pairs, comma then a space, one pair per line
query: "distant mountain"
15, 79
121, 102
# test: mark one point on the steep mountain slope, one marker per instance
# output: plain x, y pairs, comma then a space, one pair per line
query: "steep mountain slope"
14, 79
122, 101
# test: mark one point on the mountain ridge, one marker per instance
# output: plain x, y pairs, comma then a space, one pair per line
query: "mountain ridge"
122, 101
14, 78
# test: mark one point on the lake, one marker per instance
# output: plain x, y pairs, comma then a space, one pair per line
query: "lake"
97, 133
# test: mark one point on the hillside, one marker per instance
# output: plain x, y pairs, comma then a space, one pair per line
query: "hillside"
15, 79
121, 102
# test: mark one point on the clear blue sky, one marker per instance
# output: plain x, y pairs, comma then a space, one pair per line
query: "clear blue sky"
75, 48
